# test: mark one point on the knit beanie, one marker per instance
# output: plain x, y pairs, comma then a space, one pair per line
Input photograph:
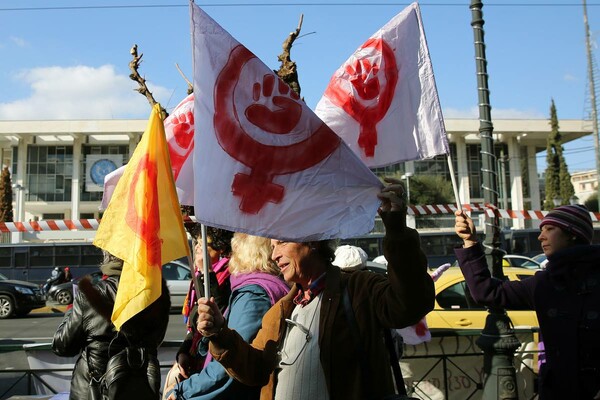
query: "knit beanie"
574, 219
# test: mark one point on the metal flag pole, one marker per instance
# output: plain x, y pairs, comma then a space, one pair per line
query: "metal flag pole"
205, 261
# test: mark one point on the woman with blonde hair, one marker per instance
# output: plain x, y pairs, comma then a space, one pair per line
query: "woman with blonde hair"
256, 285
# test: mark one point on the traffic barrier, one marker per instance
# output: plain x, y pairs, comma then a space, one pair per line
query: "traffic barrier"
416, 210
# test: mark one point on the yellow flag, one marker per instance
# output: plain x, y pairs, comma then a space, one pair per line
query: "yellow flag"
143, 224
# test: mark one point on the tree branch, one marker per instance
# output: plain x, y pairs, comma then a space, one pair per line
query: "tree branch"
134, 65
288, 71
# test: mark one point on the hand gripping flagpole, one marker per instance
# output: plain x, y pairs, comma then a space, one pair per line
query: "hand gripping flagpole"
205, 261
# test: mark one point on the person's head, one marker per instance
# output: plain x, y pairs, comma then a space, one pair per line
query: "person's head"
57, 269
251, 254
350, 258
565, 226
67, 270
302, 262
219, 245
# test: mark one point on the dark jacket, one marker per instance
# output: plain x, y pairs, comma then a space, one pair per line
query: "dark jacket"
396, 301
87, 332
566, 298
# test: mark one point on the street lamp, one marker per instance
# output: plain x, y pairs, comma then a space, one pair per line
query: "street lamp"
574, 200
556, 201
407, 176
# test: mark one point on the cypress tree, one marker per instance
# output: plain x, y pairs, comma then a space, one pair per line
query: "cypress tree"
558, 179
6, 209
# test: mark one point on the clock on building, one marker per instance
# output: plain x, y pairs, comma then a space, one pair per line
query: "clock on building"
100, 169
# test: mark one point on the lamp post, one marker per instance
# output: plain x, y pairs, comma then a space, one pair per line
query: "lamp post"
574, 200
556, 201
497, 339
407, 176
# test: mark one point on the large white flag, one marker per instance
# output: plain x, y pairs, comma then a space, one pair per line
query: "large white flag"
179, 132
264, 163
383, 101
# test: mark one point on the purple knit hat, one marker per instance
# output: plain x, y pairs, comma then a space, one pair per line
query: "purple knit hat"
573, 219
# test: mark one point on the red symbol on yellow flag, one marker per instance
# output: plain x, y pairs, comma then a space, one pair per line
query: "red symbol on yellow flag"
147, 225
275, 109
373, 86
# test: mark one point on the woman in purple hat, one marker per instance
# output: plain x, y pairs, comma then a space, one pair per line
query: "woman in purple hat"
565, 296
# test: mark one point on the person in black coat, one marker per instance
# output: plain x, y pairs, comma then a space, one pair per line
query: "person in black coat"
88, 331
565, 296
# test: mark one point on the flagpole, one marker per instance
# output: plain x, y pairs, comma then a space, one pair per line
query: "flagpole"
453, 180
205, 261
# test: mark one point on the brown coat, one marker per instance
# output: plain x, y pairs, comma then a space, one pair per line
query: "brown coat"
396, 301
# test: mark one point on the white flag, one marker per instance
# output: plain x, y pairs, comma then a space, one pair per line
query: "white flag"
179, 132
383, 101
264, 163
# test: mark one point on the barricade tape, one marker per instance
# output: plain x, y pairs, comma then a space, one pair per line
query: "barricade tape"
92, 224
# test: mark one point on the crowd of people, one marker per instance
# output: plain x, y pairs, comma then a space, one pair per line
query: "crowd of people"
304, 320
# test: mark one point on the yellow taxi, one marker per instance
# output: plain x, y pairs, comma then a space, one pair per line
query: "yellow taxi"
456, 309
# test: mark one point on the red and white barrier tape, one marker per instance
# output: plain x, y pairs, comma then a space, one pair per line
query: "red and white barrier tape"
92, 224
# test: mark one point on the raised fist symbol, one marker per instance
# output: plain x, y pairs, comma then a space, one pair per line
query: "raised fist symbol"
363, 77
286, 113
371, 80
275, 109
183, 129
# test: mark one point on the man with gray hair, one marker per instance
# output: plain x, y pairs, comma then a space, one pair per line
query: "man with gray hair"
310, 341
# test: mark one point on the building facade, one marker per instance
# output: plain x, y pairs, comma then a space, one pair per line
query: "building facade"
57, 167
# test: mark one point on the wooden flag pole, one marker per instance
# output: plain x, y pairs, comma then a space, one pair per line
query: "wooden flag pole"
454, 186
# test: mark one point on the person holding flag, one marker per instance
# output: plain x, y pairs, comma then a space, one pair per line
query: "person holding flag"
304, 349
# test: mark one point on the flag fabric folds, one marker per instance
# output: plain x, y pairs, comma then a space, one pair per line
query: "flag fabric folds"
383, 100
143, 224
179, 131
264, 163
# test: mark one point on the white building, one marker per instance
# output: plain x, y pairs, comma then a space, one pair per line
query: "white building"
585, 184
57, 167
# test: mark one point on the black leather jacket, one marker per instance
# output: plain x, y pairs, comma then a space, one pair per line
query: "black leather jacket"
86, 332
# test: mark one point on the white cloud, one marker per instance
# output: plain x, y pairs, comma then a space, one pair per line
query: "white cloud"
20, 42
79, 92
568, 77
498, 113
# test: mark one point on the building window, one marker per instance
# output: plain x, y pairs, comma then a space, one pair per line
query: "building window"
49, 170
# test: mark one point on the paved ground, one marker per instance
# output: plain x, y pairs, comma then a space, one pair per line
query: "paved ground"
51, 308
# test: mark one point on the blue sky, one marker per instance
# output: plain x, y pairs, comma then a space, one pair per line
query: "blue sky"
60, 61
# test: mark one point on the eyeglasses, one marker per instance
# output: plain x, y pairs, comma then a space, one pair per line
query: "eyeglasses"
287, 359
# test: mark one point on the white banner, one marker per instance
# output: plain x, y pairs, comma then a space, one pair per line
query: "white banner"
264, 163
383, 100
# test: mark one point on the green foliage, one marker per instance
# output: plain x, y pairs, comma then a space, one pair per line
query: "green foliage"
6, 209
428, 189
592, 202
558, 179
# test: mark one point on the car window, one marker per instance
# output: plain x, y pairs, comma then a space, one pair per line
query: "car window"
457, 297
169, 272
175, 272
453, 297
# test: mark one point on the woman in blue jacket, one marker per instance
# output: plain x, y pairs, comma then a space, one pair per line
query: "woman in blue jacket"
255, 287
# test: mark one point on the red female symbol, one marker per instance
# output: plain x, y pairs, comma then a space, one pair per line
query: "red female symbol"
365, 78
147, 225
265, 160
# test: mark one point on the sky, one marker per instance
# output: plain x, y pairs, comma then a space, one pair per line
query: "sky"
67, 59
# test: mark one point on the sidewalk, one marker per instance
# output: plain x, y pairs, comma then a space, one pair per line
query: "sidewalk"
50, 308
